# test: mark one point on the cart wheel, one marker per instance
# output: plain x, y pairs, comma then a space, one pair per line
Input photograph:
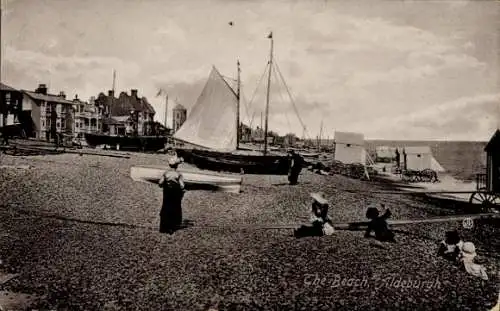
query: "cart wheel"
489, 201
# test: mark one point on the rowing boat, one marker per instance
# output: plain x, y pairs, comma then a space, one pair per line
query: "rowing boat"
194, 180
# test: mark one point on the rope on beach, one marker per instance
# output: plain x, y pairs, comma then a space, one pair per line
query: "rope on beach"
406, 191
354, 226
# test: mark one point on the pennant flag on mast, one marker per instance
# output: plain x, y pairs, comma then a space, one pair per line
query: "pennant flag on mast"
270, 36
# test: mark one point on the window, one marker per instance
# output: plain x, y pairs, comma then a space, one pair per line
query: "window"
43, 123
418, 155
58, 124
348, 145
76, 124
7, 98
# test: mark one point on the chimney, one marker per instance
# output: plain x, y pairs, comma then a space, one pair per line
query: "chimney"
61, 94
42, 89
111, 93
133, 92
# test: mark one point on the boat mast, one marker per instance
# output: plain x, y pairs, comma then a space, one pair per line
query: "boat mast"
166, 110
268, 91
320, 134
238, 109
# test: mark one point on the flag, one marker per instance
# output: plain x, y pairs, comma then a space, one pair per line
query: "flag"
270, 36
159, 92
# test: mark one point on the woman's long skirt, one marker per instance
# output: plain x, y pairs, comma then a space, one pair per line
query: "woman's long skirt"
171, 213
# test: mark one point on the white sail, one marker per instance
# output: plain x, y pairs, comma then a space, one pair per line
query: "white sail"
211, 123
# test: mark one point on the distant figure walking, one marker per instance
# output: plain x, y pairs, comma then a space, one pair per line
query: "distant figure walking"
173, 191
5, 135
398, 158
297, 162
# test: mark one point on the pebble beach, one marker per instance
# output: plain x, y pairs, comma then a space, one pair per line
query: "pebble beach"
82, 235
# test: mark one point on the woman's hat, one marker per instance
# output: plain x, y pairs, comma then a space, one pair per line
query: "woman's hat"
319, 198
468, 249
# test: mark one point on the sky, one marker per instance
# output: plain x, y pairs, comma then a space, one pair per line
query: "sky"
418, 70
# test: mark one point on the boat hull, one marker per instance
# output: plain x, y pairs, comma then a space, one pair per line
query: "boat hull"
233, 162
139, 143
193, 180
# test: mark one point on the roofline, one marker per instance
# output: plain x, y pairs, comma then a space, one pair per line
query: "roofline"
52, 95
9, 88
488, 145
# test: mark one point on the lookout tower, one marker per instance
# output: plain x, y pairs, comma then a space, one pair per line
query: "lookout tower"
179, 117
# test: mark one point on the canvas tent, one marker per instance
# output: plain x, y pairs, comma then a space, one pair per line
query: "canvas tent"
350, 148
385, 153
420, 158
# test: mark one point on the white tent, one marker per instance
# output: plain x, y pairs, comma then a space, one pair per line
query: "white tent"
385, 152
350, 148
420, 158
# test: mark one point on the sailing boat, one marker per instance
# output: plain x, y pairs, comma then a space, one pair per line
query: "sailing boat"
212, 129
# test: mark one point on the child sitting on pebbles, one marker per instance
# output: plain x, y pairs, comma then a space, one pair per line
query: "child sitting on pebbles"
467, 256
451, 246
321, 223
378, 224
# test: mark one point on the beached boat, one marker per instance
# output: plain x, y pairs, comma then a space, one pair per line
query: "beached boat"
194, 180
212, 132
139, 143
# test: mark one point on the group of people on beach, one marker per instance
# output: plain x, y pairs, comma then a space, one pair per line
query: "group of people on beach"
452, 247
173, 187
323, 225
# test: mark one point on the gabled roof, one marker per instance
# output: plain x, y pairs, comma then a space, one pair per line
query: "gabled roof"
349, 138
494, 142
418, 150
122, 105
5, 87
48, 97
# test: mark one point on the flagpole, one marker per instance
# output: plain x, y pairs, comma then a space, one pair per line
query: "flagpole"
238, 110
114, 80
268, 92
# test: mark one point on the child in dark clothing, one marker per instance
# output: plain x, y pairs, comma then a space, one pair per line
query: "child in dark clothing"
378, 224
451, 247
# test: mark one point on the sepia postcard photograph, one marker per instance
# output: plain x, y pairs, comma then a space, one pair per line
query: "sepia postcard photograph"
214, 155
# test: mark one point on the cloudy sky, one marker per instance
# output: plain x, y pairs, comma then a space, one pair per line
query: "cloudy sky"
388, 69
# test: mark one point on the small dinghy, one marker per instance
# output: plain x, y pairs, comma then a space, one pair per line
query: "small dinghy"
194, 180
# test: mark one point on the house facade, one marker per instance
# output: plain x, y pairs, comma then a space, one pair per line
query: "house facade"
88, 117
125, 114
10, 105
50, 114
